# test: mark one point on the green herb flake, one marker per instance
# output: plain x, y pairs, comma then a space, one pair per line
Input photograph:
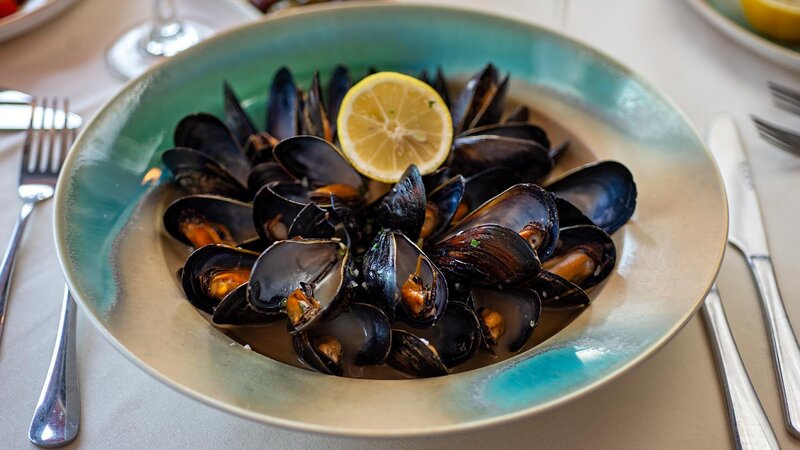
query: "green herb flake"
475, 243
391, 112
431, 103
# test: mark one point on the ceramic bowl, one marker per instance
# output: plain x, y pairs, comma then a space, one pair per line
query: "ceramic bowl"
119, 265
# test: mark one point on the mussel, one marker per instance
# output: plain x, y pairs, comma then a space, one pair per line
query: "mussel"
507, 317
198, 220
214, 271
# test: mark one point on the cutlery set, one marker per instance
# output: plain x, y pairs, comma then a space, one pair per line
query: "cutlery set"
50, 133
749, 424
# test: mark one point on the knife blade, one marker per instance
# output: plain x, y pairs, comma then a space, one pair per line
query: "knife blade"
746, 228
15, 113
746, 232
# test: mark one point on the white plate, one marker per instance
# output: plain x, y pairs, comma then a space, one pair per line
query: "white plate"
32, 14
727, 16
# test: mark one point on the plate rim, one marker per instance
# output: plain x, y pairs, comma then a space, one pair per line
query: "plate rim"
60, 227
17, 24
746, 38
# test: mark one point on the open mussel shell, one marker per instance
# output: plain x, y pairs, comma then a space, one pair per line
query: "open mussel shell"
212, 272
584, 255
258, 148
312, 222
319, 163
441, 206
487, 254
210, 135
605, 192
525, 208
516, 130
481, 101
403, 208
237, 120
275, 207
360, 336
283, 106
412, 355
198, 220
313, 118
436, 178
558, 293
507, 317
519, 114
472, 154
197, 173
318, 272
389, 269
457, 336
264, 173
234, 309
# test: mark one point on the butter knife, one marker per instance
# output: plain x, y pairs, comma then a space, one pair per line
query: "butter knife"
747, 234
15, 112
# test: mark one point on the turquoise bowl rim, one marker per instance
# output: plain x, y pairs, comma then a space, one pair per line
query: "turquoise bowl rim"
60, 230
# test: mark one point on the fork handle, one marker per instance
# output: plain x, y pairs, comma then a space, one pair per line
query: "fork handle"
57, 417
749, 423
7, 267
785, 351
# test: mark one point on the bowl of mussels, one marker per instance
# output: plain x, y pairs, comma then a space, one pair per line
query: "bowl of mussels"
389, 220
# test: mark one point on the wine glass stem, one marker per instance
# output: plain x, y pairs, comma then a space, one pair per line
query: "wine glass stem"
165, 23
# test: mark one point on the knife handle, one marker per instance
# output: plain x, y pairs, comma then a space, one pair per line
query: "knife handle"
785, 351
749, 423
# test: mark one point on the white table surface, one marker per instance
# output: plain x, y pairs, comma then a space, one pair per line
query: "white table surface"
673, 400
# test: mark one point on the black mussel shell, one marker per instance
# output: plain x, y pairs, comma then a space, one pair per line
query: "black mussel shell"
363, 332
338, 86
520, 310
457, 336
492, 110
516, 130
313, 118
236, 118
569, 214
204, 264
595, 249
442, 206
475, 98
265, 173
234, 309
487, 254
519, 114
558, 293
196, 173
254, 244
275, 207
312, 222
283, 106
472, 154
440, 85
403, 208
605, 192
321, 267
388, 264
229, 219
412, 355
524, 208
258, 148
557, 151
208, 134
317, 161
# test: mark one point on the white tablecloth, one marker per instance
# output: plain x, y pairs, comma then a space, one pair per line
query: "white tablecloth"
672, 400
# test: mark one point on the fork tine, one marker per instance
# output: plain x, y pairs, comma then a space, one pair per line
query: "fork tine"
26, 147
46, 151
785, 97
784, 139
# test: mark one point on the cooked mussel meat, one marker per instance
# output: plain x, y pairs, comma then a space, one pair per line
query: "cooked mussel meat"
198, 220
214, 271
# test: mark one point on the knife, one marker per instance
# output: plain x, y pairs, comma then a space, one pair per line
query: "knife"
15, 112
747, 234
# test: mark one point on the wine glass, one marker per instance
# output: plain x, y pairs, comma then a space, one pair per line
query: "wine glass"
165, 36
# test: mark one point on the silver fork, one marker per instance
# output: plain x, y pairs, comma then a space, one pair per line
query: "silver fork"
42, 156
785, 98
777, 136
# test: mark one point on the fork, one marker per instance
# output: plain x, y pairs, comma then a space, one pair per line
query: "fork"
785, 98
42, 156
777, 136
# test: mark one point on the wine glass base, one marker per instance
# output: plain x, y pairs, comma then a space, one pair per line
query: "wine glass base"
134, 52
